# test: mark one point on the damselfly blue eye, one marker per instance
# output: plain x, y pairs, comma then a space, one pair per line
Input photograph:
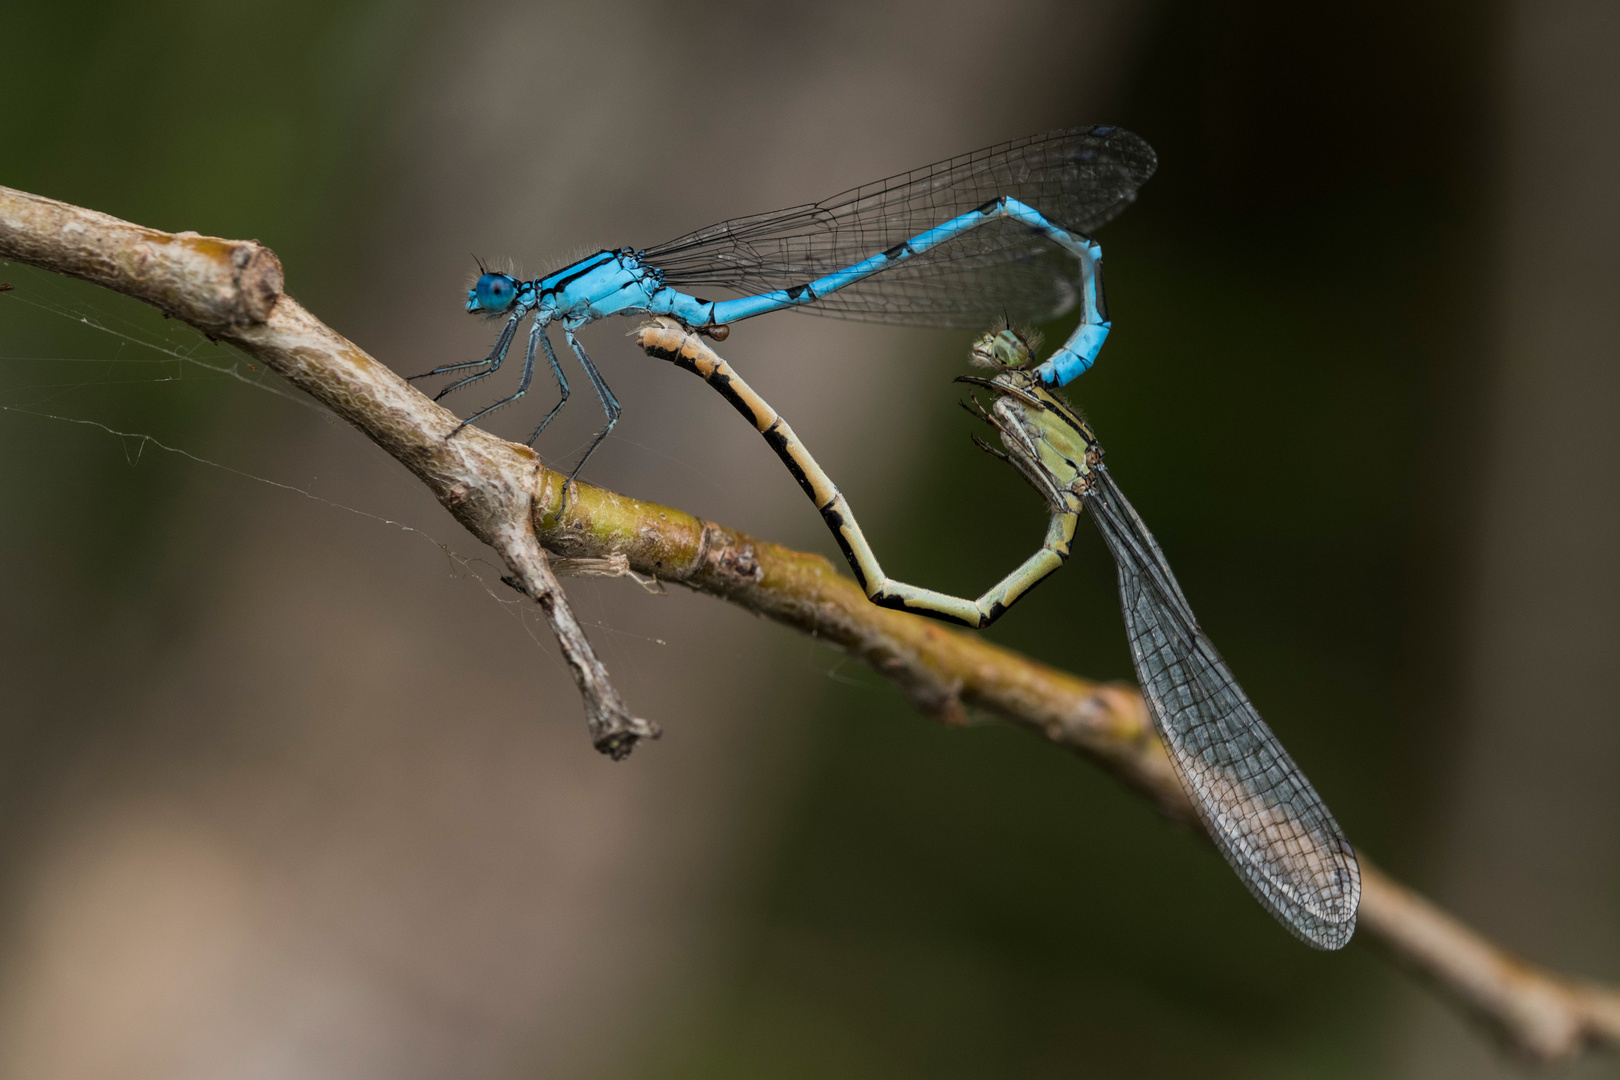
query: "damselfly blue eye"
495, 293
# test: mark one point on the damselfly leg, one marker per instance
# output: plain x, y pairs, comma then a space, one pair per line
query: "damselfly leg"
491, 363
537, 333
539, 341
610, 404
562, 384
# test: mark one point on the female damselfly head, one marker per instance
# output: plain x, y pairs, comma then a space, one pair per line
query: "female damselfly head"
1008, 347
492, 295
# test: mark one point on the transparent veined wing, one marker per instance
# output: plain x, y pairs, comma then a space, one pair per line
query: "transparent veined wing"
1257, 805
1079, 178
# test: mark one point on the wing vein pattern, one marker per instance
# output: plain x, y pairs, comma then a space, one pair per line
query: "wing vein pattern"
1079, 178
1259, 808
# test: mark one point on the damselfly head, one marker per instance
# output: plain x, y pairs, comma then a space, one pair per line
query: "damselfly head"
492, 294
1008, 347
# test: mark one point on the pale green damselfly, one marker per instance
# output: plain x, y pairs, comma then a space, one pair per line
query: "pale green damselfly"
1256, 804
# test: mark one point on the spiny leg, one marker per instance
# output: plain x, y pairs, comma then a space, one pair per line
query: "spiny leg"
610, 404
668, 342
562, 384
495, 358
537, 333
448, 368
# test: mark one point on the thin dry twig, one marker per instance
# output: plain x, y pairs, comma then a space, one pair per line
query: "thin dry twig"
231, 290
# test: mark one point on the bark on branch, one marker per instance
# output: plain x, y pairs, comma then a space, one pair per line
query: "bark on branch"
232, 290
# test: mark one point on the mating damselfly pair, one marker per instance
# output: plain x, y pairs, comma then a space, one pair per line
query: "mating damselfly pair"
999, 232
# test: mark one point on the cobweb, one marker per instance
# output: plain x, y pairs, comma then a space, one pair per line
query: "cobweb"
76, 356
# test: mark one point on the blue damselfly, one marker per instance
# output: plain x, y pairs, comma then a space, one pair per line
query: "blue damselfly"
1001, 231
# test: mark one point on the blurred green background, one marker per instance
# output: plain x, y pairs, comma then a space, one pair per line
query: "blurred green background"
288, 795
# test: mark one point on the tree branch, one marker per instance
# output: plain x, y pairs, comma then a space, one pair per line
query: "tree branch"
231, 290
